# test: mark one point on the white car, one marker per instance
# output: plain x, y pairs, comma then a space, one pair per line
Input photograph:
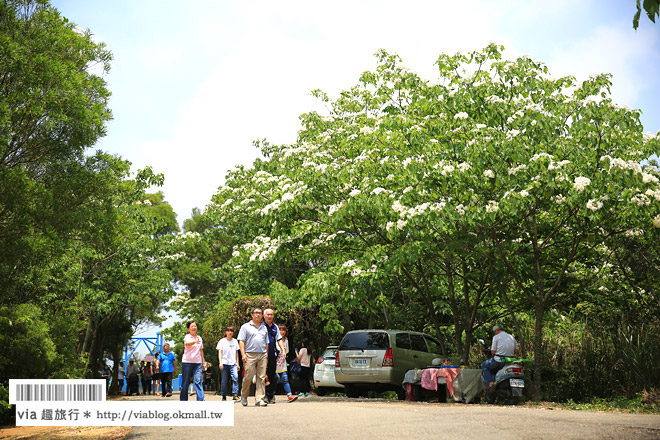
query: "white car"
324, 372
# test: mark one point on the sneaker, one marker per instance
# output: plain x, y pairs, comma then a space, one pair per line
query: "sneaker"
236, 397
306, 394
243, 401
271, 401
301, 394
261, 403
224, 398
168, 395
291, 398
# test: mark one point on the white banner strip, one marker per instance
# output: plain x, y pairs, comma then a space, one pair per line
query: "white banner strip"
124, 413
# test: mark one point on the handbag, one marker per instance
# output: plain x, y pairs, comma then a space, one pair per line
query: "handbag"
295, 367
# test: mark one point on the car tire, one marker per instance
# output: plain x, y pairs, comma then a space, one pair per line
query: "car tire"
401, 393
321, 391
351, 391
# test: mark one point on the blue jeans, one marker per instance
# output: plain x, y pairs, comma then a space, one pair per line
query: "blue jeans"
188, 370
489, 369
284, 378
229, 370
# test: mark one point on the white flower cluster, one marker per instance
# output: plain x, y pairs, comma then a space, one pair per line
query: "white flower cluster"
174, 256
615, 162
489, 173
539, 156
656, 221
186, 235
334, 208
653, 193
580, 183
594, 204
463, 167
461, 115
378, 191
354, 193
557, 165
559, 199
520, 167
347, 264
409, 213
460, 209
492, 206
634, 232
649, 178
494, 99
640, 200
262, 247
366, 130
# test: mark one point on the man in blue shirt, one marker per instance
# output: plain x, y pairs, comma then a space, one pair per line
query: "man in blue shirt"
275, 345
167, 362
253, 342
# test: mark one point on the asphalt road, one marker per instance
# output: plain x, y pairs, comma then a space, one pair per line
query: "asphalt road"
342, 418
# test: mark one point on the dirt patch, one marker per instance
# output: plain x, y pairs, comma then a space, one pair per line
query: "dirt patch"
78, 432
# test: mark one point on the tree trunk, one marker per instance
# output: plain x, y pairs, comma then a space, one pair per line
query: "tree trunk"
539, 308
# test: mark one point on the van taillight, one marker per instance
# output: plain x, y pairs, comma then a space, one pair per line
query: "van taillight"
320, 360
388, 361
337, 363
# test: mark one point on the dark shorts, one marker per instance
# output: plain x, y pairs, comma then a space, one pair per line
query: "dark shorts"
155, 376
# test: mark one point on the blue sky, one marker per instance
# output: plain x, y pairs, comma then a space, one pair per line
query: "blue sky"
194, 83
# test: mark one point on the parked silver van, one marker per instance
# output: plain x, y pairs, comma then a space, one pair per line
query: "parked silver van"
377, 360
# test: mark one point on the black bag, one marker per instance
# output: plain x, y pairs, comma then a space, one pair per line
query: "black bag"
295, 367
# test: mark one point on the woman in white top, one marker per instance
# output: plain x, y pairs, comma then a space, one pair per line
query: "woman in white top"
227, 354
304, 356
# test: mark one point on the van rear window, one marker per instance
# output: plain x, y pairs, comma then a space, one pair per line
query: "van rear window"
365, 341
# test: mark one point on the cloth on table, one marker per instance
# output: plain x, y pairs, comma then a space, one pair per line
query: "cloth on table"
467, 385
430, 377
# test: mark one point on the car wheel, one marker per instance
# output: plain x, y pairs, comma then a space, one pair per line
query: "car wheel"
514, 400
320, 391
401, 393
351, 391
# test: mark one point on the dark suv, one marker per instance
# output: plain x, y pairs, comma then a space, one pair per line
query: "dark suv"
377, 360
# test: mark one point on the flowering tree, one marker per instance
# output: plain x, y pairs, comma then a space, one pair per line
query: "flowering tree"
435, 196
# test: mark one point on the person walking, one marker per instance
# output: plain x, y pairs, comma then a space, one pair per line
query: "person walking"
155, 376
304, 356
228, 356
146, 377
275, 347
253, 342
192, 363
167, 363
280, 367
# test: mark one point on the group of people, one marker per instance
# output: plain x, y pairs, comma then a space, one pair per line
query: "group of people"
262, 346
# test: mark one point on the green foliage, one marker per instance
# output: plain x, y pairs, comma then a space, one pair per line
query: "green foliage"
619, 404
652, 9
27, 344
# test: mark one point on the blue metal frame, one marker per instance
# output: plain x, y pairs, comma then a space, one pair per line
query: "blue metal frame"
156, 342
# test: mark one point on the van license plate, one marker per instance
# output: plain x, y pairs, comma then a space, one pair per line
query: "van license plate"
361, 362
517, 383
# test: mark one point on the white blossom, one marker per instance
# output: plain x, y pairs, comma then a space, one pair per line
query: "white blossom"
489, 173
580, 183
347, 264
524, 193
355, 192
400, 224
356, 272
460, 209
492, 206
656, 221
594, 204
366, 130
461, 115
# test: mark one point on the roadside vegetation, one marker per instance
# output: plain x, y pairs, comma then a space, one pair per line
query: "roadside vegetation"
492, 192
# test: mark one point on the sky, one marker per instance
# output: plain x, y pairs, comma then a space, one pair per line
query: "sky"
195, 83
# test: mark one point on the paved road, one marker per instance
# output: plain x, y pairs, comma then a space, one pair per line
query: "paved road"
342, 418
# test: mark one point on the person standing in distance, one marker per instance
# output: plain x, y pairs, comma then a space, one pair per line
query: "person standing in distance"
192, 363
253, 341
228, 355
167, 363
503, 345
274, 340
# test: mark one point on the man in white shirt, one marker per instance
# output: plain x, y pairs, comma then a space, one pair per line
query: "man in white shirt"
503, 345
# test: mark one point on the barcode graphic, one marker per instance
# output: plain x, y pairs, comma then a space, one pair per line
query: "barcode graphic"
58, 392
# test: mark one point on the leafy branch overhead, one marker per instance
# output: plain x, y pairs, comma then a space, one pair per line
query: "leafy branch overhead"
651, 7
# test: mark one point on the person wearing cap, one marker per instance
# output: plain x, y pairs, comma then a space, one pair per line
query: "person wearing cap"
503, 345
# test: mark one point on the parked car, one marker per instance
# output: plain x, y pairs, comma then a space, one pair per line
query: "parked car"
377, 360
324, 372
